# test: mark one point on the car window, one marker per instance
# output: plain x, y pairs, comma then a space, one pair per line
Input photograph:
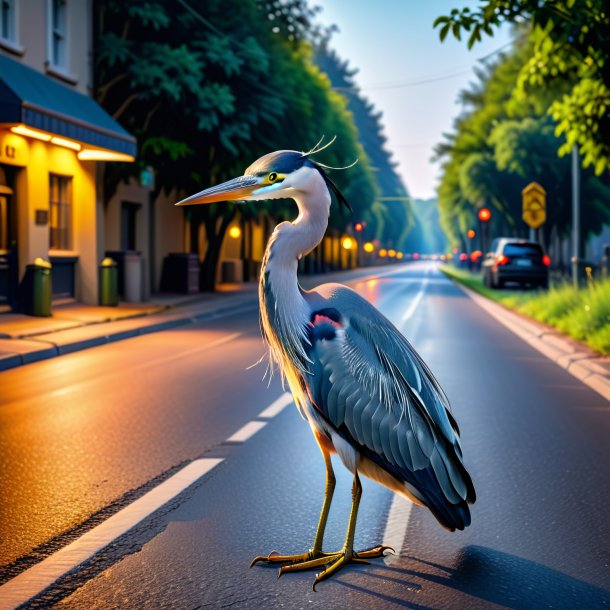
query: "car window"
522, 250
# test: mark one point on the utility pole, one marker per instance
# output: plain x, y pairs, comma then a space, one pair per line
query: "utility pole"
575, 214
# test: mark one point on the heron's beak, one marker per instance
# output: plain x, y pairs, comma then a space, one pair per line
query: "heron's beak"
232, 190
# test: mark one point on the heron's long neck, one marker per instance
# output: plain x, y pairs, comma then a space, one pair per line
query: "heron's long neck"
284, 311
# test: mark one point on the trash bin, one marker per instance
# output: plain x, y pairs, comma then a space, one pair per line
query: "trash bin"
132, 290
37, 289
109, 283
180, 273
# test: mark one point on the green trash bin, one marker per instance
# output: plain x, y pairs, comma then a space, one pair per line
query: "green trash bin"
37, 288
109, 283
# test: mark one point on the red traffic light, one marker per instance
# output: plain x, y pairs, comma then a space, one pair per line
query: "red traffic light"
484, 215
471, 233
359, 226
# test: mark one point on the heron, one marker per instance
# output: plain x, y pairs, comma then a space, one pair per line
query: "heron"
366, 393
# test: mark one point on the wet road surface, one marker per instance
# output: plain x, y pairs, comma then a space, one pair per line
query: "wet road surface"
81, 433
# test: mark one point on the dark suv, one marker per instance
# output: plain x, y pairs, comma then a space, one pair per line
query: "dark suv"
515, 260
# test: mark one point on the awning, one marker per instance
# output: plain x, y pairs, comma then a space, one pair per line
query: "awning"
30, 98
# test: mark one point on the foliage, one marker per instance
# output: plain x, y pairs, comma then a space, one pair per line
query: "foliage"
571, 46
501, 143
426, 236
582, 313
207, 86
388, 221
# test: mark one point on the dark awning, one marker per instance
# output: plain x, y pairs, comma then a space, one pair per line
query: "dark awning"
33, 99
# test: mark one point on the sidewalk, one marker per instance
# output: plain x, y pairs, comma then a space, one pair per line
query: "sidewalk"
73, 327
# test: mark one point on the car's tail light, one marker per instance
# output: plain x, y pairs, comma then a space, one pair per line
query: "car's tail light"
502, 260
546, 260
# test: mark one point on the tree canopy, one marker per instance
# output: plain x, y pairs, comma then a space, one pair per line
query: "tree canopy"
207, 86
504, 141
570, 52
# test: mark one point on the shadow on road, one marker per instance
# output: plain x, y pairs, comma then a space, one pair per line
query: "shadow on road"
489, 576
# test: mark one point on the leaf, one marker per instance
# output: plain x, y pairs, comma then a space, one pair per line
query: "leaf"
444, 31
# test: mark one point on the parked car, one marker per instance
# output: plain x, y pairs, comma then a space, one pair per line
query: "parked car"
515, 260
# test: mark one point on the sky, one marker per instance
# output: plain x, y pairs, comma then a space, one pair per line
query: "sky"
392, 43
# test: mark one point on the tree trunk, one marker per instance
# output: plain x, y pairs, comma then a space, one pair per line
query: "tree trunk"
207, 271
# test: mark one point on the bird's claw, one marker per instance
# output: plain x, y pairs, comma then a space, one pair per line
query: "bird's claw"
313, 559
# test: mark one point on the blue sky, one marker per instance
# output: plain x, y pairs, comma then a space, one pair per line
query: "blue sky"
392, 42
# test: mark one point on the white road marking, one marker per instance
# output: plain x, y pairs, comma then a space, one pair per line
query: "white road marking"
36, 579
246, 432
415, 302
277, 406
396, 526
400, 509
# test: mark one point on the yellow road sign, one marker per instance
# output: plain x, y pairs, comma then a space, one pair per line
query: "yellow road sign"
534, 205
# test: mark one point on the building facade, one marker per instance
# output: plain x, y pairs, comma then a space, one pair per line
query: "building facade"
54, 139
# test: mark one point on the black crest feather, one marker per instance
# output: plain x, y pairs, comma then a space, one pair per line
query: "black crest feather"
332, 187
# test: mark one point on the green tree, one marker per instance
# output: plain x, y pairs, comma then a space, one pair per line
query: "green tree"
571, 48
204, 102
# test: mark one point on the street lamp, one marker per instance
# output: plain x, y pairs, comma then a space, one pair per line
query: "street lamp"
368, 247
471, 233
484, 216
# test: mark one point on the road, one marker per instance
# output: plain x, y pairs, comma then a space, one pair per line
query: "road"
84, 435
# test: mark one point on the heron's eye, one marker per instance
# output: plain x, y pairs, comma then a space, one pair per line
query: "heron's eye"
272, 177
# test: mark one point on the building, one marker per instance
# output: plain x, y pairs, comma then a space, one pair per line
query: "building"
53, 140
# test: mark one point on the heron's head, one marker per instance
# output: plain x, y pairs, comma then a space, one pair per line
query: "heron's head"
277, 175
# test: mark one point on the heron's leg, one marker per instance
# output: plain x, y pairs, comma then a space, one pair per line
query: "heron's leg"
347, 554
315, 555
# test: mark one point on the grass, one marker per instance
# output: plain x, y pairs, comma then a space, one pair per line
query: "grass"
582, 313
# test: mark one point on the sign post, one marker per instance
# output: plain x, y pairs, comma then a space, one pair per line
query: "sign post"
534, 207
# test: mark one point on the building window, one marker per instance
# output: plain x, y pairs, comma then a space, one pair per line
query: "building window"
60, 211
58, 52
7, 20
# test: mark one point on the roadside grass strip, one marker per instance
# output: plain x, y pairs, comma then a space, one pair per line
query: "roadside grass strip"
583, 313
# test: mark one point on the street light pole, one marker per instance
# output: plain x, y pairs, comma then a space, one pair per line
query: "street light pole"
575, 214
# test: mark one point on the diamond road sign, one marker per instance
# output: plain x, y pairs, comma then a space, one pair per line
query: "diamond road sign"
534, 205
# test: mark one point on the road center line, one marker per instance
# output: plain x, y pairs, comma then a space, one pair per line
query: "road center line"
415, 302
36, 579
246, 432
277, 406
400, 509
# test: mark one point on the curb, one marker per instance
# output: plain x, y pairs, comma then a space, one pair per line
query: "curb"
59, 343
575, 358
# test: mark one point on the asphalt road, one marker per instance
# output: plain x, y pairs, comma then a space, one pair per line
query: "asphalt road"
82, 435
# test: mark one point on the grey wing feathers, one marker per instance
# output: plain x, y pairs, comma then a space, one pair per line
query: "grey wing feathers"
375, 390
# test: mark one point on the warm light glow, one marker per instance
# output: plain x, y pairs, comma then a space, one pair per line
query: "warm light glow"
463, 256
399, 255
235, 232
368, 247
455, 250
103, 155
359, 226
383, 253
471, 233
546, 261
484, 214
443, 257
391, 253
65, 143
347, 243
416, 256
22, 130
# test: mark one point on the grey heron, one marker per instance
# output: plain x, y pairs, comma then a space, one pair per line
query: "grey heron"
366, 393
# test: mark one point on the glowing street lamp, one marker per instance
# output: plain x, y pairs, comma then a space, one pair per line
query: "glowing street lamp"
484, 215
471, 233
368, 247
235, 232
347, 243
383, 253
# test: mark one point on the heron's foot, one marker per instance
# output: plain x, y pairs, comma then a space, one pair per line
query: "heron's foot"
291, 560
333, 562
346, 557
